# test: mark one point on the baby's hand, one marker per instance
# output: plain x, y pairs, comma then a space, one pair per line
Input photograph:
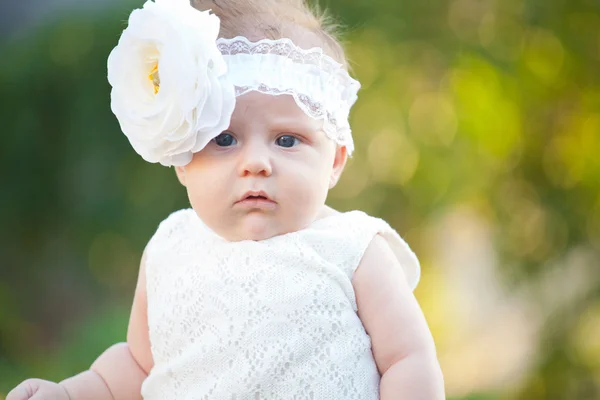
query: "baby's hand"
38, 389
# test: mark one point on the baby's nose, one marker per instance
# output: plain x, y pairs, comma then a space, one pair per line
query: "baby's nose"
256, 161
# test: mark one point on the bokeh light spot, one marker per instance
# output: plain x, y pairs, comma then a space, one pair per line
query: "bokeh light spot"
392, 158
432, 119
543, 54
585, 340
486, 114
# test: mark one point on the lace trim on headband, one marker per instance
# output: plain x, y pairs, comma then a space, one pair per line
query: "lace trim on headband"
315, 110
341, 89
281, 47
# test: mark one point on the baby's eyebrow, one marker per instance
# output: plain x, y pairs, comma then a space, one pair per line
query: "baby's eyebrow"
295, 123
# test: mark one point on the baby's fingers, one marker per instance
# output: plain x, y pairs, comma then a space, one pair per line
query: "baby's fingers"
24, 391
33, 389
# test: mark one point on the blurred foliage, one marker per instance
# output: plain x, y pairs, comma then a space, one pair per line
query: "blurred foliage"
471, 110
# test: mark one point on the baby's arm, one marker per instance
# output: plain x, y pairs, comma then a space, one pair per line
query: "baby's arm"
114, 375
402, 344
124, 366
117, 374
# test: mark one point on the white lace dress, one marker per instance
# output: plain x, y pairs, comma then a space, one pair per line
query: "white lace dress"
274, 319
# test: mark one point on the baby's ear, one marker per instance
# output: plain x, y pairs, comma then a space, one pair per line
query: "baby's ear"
180, 174
339, 162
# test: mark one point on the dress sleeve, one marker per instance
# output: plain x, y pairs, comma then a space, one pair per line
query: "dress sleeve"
165, 246
169, 231
406, 257
343, 240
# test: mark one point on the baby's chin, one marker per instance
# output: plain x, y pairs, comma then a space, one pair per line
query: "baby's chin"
256, 227
256, 235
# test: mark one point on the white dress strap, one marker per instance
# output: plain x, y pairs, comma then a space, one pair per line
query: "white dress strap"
343, 239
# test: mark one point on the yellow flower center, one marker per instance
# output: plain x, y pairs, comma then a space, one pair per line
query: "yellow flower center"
155, 78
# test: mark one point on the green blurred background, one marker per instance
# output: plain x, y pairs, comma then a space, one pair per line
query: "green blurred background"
478, 139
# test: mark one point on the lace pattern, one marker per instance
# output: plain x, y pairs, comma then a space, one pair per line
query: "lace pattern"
320, 86
274, 319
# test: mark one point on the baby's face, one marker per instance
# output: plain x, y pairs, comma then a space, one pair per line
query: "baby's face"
267, 175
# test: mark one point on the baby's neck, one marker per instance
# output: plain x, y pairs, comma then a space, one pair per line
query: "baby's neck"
325, 212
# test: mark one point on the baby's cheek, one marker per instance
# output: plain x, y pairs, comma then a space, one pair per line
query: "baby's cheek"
306, 193
202, 193
316, 179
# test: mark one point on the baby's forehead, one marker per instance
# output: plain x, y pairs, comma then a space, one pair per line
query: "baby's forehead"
269, 109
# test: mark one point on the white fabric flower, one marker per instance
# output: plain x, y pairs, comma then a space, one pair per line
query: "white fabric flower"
169, 87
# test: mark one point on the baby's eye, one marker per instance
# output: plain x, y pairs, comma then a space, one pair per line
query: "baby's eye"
225, 139
287, 141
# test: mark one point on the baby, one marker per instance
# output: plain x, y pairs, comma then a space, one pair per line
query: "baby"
259, 291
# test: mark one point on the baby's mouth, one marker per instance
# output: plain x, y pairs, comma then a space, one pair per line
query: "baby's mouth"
256, 200
255, 195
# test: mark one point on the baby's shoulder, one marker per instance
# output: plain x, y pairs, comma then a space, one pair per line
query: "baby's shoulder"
344, 237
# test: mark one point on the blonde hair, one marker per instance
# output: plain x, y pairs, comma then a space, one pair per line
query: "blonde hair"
276, 19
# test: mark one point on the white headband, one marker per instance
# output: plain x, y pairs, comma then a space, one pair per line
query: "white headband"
321, 86
174, 83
